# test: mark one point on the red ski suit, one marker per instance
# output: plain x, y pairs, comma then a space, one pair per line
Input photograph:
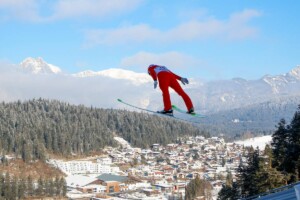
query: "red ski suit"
167, 79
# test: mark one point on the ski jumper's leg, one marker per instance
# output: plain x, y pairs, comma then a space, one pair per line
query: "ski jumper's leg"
176, 86
164, 83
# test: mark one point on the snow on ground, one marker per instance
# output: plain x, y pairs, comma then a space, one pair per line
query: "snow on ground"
259, 142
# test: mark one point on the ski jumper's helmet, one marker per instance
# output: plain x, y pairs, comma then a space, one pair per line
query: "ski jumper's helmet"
150, 66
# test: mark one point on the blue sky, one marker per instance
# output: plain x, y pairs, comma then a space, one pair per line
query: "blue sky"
208, 39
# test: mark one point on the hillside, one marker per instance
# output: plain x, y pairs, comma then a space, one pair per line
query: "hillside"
260, 118
35, 128
18, 168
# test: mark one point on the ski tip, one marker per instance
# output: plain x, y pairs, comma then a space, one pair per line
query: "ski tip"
119, 100
197, 115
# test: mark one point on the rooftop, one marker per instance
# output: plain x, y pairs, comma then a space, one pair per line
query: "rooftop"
112, 177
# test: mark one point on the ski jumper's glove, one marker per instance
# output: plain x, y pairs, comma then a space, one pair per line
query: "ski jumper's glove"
184, 81
155, 84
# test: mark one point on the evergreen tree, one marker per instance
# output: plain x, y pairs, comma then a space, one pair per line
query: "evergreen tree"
293, 153
26, 153
40, 187
280, 144
223, 162
2, 183
30, 186
4, 160
229, 179
247, 172
50, 188
21, 188
268, 177
196, 156
14, 188
57, 186
63, 184
198, 187
286, 145
229, 192
7, 186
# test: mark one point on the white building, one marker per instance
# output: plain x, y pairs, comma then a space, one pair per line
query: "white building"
104, 160
82, 167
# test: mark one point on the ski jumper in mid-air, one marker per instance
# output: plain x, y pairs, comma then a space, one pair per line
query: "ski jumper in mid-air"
167, 79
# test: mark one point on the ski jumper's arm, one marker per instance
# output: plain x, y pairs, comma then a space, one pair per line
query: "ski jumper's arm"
176, 76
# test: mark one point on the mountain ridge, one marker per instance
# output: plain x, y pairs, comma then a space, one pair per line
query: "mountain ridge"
38, 66
208, 97
256, 118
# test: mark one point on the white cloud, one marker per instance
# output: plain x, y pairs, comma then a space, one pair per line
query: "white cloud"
136, 33
30, 10
92, 8
235, 27
197, 13
178, 62
173, 59
25, 10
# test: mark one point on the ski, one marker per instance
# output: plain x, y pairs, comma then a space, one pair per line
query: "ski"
151, 111
120, 100
192, 114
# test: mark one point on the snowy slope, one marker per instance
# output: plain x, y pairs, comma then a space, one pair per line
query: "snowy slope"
295, 73
259, 142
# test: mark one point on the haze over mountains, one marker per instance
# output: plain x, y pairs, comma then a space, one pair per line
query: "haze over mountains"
35, 78
208, 96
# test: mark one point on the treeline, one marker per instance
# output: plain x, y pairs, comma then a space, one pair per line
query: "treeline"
12, 188
34, 128
277, 166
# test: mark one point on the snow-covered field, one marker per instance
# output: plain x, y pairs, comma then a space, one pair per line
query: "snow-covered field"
259, 142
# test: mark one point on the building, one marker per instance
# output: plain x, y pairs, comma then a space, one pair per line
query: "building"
82, 167
114, 183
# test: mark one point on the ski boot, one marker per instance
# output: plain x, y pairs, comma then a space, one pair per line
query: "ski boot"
191, 111
166, 112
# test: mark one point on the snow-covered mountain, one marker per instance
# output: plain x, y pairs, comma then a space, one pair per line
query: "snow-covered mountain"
295, 73
38, 66
208, 97
215, 96
279, 83
135, 78
260, 117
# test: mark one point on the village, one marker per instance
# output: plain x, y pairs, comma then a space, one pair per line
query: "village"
161, 172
